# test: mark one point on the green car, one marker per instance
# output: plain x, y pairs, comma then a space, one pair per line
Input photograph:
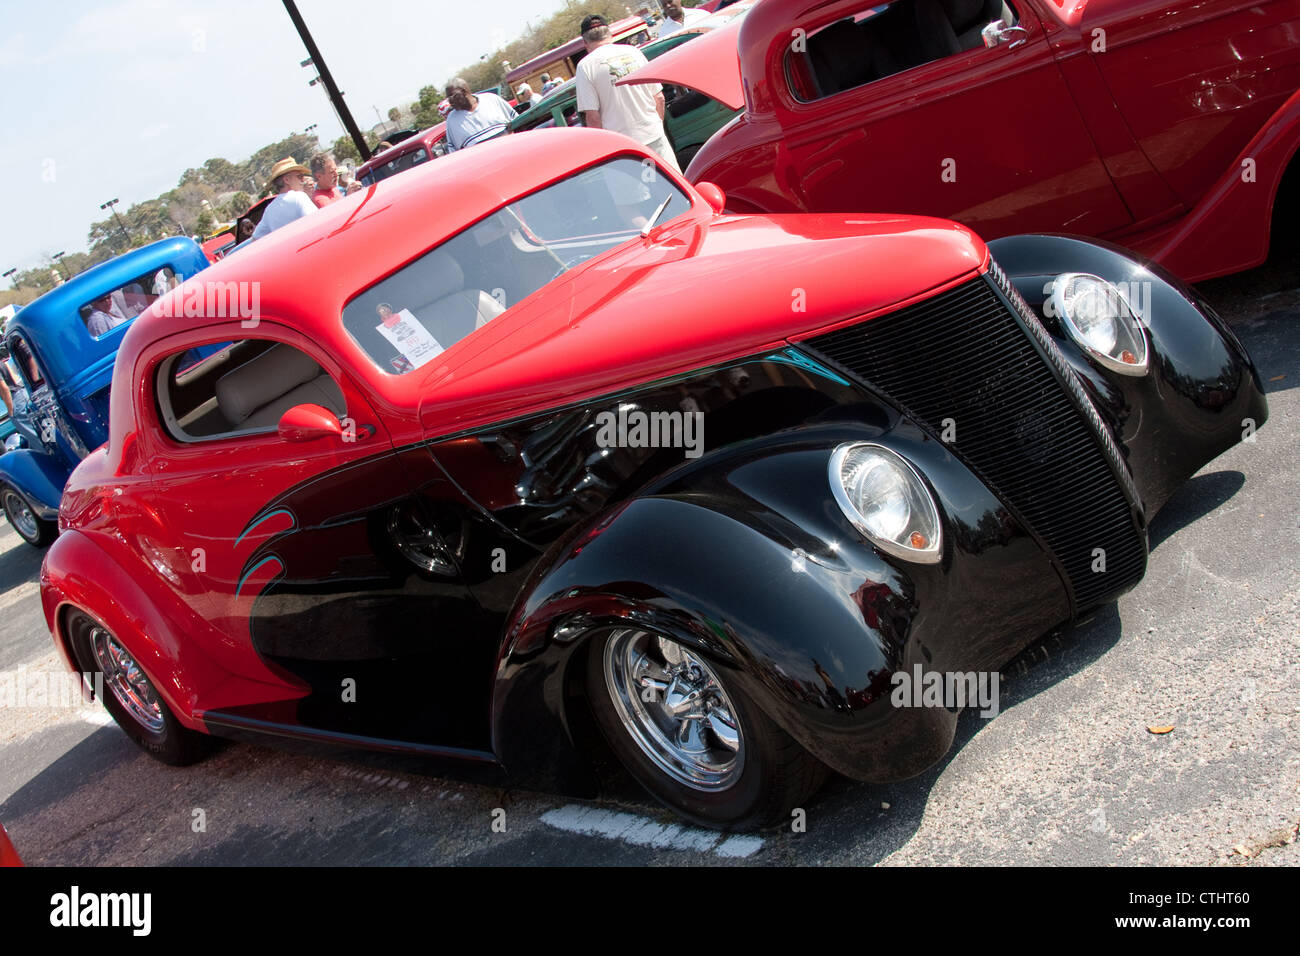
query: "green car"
690, 117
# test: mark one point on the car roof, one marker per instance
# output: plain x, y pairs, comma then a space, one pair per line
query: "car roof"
628, 26
564, 91
56, 331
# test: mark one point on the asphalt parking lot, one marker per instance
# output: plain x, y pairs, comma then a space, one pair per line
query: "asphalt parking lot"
1067, 773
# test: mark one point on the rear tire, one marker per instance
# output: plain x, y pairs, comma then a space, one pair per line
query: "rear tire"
688, 734
38, 532
129, 696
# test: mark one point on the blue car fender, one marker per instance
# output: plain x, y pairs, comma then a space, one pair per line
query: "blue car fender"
38, 477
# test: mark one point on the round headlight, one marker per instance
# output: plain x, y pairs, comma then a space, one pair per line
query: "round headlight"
13, 442
1100, 319
884, 497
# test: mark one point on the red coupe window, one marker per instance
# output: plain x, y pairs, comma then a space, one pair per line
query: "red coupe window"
412, 316
885, 39
241, 389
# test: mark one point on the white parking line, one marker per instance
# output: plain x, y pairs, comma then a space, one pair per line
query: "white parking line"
641, 831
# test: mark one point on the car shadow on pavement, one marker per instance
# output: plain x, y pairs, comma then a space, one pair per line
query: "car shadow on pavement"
33, 812
20, 563
1193, 501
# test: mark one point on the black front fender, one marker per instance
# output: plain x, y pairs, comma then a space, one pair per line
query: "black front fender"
746, 558
1202, 393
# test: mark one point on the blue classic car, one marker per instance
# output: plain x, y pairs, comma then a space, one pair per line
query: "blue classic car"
62, 347
12, 384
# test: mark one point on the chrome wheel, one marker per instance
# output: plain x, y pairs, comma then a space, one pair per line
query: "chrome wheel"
418, 541
675, 709
123, 676
20, 515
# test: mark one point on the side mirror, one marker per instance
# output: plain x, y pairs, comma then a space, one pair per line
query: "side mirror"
713, 195
308, 423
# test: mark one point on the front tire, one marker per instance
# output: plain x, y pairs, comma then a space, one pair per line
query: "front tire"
38, 532
690, 736
129, 696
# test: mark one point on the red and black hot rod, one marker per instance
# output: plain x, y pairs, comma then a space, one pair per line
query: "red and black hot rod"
505, 453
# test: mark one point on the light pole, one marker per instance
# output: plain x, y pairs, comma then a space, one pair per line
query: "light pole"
327, 81
56, 257
312, 82
109, 206
9, 275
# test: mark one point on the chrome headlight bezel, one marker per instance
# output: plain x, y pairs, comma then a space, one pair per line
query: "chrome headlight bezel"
1130, 332
922, 505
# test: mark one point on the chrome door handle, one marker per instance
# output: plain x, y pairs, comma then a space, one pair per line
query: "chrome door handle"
997, 33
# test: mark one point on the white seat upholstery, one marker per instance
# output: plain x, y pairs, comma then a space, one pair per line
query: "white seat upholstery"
260, 391
454, 310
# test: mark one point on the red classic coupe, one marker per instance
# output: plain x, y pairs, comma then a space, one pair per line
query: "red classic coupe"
580, 452
1167, 126
410, 152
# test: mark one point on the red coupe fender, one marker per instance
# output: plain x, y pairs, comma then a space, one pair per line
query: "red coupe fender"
77, 572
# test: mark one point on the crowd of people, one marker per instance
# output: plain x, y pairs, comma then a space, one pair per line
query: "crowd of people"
299, 191
637, 111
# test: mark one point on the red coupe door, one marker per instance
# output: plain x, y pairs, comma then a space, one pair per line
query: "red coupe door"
309, 562
890, 110
1196, 81
228, 487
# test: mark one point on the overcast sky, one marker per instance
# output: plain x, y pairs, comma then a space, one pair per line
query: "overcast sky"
117, 98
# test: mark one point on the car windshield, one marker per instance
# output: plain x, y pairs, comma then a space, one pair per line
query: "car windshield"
415, 314
396, 165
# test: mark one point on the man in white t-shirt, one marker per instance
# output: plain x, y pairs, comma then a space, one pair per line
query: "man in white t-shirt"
474, 117
676, 17
291, 181
164, 281
637, 110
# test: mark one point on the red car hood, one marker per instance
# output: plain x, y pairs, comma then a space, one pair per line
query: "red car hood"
706, 292
709, 64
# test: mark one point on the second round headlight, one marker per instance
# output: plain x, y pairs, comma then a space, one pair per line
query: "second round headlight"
1098, 316
883, 496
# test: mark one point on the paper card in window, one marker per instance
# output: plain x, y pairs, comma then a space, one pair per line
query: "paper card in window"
411, 338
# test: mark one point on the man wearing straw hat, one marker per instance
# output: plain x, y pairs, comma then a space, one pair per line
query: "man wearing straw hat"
291, 182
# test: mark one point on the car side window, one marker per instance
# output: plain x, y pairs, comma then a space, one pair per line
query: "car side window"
887, 39
118, 306
241, 389
26, 362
